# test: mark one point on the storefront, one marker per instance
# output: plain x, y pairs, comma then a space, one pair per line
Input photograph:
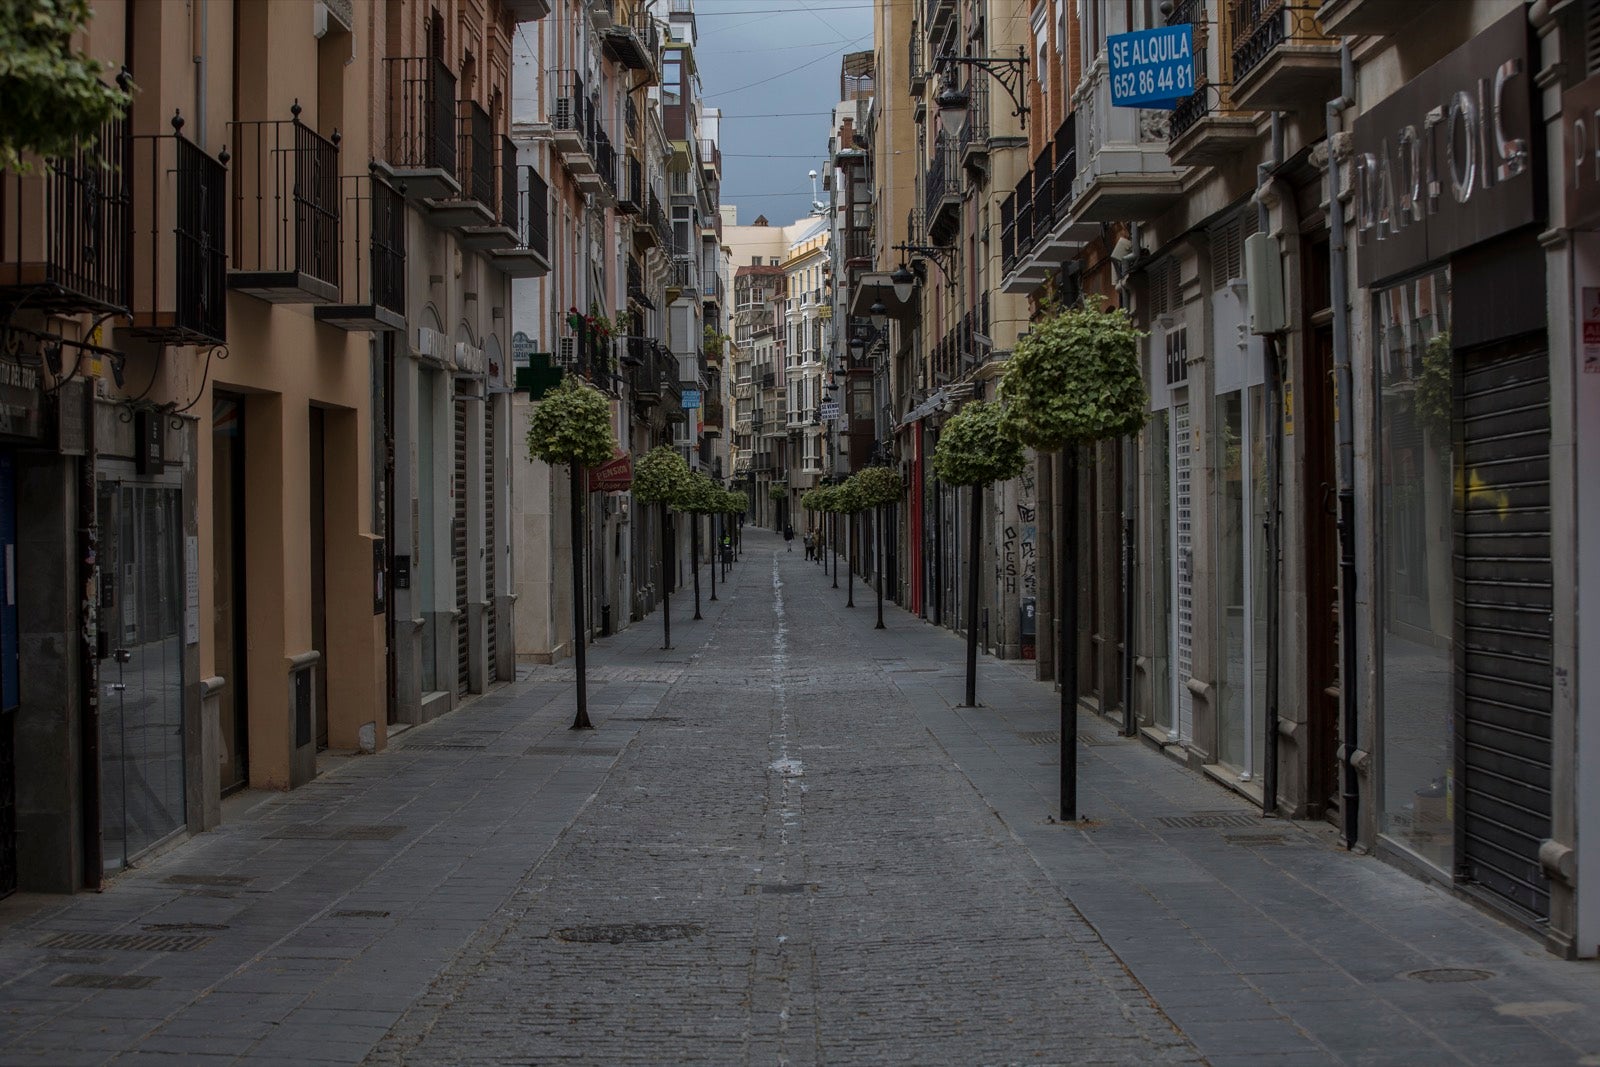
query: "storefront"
1457, 363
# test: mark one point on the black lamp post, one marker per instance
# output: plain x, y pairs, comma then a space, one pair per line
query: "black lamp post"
953, 100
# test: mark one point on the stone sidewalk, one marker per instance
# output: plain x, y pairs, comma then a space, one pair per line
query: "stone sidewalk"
784, 843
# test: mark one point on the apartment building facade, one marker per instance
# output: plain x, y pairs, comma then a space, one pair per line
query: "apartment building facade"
222, 309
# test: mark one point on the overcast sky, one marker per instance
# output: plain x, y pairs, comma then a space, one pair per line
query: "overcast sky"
775, 58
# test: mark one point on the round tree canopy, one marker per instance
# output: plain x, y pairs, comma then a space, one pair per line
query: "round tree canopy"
660, 476
698, 496
847, 497
572, 424
878, 486
973, 450
1075, 378
778, 491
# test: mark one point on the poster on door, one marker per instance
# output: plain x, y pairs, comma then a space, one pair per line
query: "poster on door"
1591, 330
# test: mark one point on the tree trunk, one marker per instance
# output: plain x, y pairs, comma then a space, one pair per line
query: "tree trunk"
579, 645
973, 544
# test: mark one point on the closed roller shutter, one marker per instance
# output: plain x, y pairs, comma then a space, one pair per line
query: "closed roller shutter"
1503, 698
458, 544
491, 549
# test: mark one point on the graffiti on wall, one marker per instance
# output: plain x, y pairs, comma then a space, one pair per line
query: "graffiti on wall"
1019, 539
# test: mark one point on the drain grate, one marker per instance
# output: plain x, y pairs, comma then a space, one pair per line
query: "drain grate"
450, 746
181, 928
780, 888
361, 913
1208, 820
1042, 737
129, 942
320, 831
559, 750
1449, 974
628, 933
207, 879
105, 981
1255, 840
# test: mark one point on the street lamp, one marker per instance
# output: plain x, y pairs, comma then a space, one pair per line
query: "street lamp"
904, 283
953, 101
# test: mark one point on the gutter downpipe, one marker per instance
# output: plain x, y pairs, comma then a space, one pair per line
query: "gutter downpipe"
1349, 797
1274, 376
1130, 453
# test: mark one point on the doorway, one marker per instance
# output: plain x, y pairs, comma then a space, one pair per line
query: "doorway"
317, 483
228, 585
10, 691
1319, 505
141, 671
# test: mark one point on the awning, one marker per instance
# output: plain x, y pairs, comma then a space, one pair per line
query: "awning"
924, 409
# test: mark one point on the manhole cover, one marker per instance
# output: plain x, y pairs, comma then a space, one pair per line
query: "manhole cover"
1449, 974
1208, 820
361, 913
206, 879
105, 981
318, 831
627, 933
128, 942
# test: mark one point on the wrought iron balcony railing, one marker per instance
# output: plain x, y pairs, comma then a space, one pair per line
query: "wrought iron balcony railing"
64, 230
1260, 26
285, 243
373, 274
1066, 165
180, 243
477, 154
535, 230
419, 128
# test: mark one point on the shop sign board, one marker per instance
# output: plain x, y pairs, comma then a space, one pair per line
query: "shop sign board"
1580, 133
1152, 68
691, 399
1448, 161
1591, 330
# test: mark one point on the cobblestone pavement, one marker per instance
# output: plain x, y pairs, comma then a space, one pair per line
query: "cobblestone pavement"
784, 843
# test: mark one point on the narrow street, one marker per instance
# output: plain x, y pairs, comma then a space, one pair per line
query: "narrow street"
782, 844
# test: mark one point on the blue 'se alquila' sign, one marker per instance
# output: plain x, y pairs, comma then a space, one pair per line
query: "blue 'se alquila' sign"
1152, 68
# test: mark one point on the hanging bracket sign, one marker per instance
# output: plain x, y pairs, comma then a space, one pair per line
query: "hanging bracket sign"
1152, 68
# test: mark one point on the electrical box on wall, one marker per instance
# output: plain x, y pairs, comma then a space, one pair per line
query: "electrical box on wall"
1263, 276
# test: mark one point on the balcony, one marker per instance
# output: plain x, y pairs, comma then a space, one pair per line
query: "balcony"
633, 40
605, 167
526, 10
502, 232
941, 192
64, 230
915, 64
1206, 128
711, 416
419, 129
710, 159
572, 125
530, 256
1281, 58
630, 191
941, 16
179, 240
1350, 17
601, 13
285, 246
374, 267
1123, 170
711, 291
474, 208
972, 147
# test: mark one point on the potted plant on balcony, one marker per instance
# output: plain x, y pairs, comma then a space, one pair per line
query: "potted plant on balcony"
973, 450
1072, 380
658, 479
572, 425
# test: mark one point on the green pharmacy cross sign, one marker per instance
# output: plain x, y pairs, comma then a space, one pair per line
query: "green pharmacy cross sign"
1152, 68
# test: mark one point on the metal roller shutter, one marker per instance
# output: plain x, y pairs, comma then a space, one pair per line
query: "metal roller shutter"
1503, 582
490, 546
458, 545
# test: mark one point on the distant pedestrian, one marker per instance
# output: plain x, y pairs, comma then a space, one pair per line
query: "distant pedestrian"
809, 552
788, 535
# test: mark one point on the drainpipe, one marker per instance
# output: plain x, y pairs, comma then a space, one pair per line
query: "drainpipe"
1345, 438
